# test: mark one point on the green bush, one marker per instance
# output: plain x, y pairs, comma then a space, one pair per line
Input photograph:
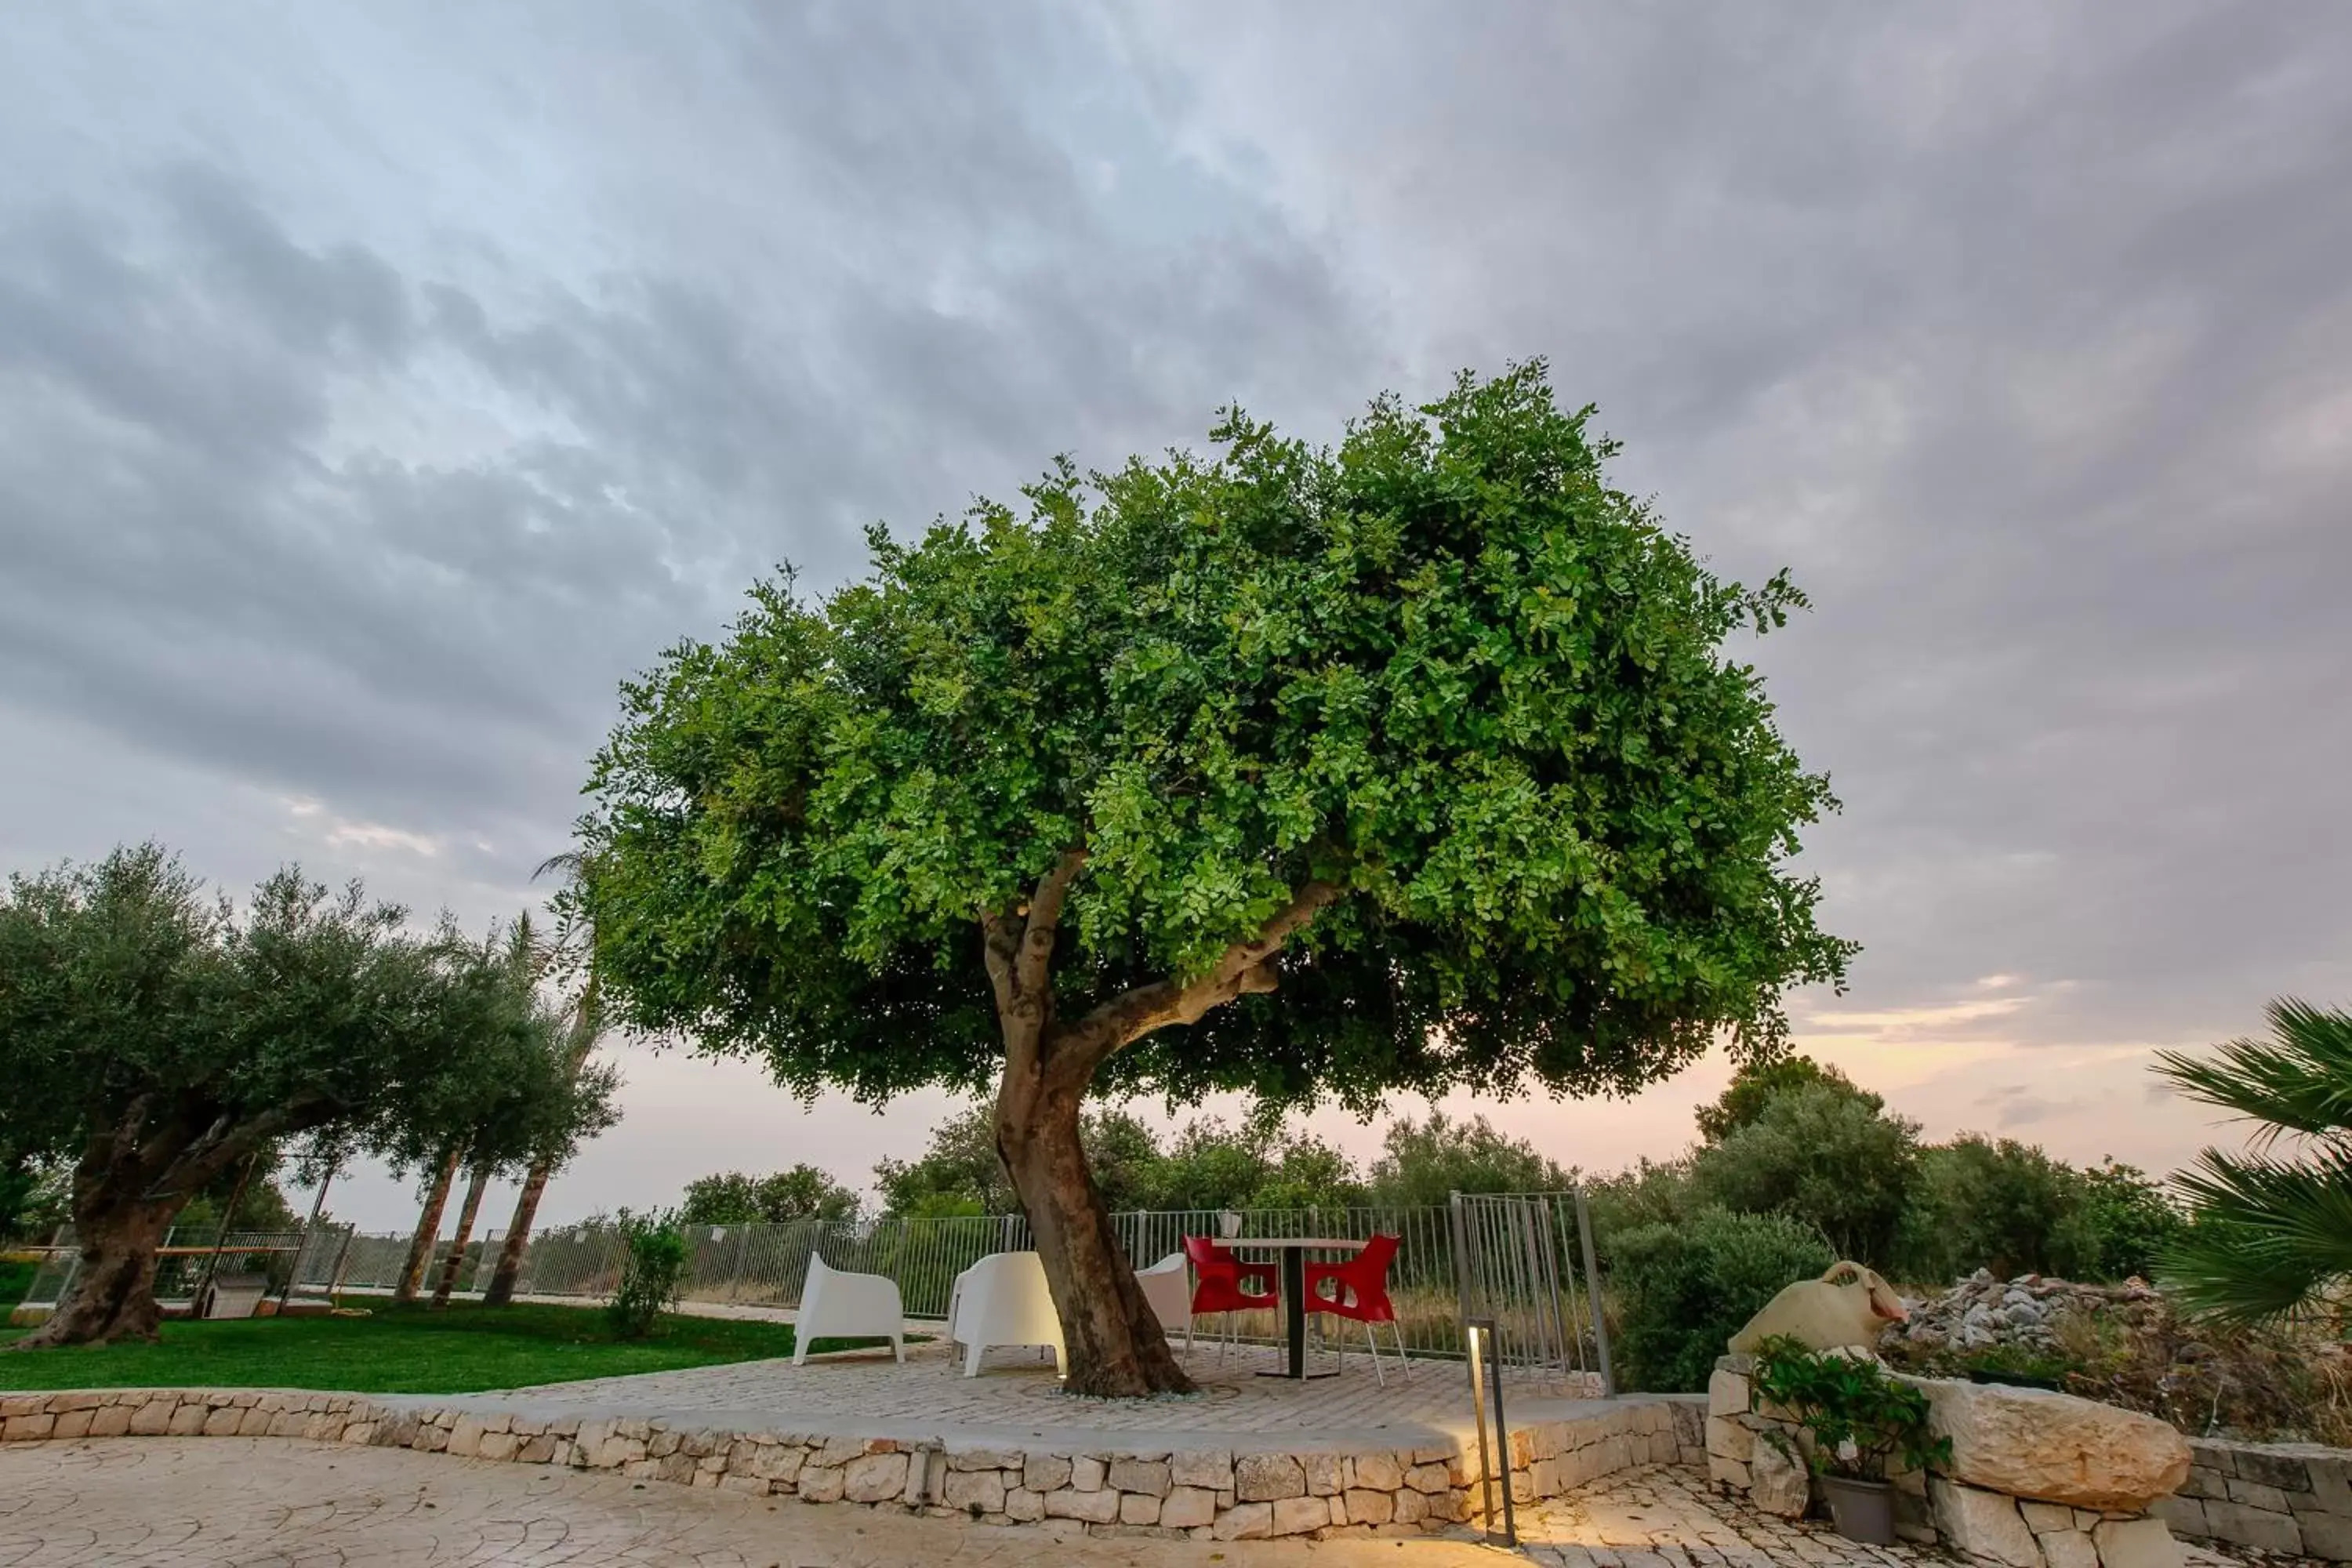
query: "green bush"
1684, 1289
653, 1270
2125, 1223
2003, 1206
734, 1197
15, 1278
1823, 1154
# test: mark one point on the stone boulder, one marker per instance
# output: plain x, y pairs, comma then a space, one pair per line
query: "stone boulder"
1779, 1481
2055, 1448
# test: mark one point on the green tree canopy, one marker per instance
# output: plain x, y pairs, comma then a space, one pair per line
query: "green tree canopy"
733, 1197
1414, 764
1427, 1161
155, 1037
516, 1095
1759, 1083
1212, 1164
2125, 1223
1827, 1157
1998, 1205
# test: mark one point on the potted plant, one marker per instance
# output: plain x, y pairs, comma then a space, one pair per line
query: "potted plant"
1861, 1416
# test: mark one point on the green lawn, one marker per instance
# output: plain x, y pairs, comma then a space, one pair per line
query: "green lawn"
399, 1350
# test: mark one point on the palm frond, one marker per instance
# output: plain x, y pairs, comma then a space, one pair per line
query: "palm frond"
567, 863
2270, 1234
2299, 1080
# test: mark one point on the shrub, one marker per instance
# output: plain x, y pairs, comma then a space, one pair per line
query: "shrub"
1826, 1156
1651, 1193
1683, 1291
1860, 1416
2004, 1205
2123, 1224
1423, 1163
653, 1271
1758, 1084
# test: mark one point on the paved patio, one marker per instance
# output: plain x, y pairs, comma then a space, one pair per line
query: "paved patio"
1017, 1401
273, 1503
1666, 1516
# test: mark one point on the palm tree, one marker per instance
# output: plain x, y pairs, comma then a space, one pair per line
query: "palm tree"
2273, 1228
573, 949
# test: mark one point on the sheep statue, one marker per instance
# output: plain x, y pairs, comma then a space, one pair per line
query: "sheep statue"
1850, 1305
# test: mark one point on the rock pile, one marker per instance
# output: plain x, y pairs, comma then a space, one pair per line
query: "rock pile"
1981, 1313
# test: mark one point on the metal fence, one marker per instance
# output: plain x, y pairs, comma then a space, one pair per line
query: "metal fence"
182, 1259
1520, 1259
1525, 1261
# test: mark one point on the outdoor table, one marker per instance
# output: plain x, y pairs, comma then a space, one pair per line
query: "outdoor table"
1293, 1250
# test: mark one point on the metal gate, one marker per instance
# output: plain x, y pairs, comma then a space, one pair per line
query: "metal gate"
1525, 1261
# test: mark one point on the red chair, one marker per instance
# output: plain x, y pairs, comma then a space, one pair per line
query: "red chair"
1224, 1283
1358, 1289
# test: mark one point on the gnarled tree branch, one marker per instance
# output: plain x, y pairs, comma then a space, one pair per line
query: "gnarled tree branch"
1034, 971
1019, 948
1245, 968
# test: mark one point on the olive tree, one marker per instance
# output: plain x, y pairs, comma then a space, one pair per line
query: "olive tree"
1414, 764
155, 1037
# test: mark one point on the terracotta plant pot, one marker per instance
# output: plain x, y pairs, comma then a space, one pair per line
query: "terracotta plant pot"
1863, 1510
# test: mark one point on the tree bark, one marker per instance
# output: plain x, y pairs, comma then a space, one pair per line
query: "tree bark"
466, 1213
428, 1229
130, 1184
585, 1011
526, 1212
1112, 1338
112, 1296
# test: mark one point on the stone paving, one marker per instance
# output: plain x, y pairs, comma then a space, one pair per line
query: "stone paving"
1016, 1399
280, 1503
287, 1503
1667, 1516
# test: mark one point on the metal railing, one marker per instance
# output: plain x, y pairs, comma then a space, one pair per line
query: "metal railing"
1524, 1263
183, 1255
1521, 1260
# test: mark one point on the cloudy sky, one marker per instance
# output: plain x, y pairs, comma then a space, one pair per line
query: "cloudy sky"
380, 384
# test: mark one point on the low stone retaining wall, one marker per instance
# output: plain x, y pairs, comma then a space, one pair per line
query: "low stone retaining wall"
1208, 1494
2037, 1480
2294, 1498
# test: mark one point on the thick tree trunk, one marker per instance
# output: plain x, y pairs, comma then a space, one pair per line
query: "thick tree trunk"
428, 1230
1112, 1338
112, 1296
467, 1215
526, 1213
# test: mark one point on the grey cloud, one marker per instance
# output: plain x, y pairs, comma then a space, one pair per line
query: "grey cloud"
364, 418
2017, 1105
387, 534
2019, 332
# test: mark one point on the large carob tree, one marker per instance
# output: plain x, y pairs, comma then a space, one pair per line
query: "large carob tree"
1414, 764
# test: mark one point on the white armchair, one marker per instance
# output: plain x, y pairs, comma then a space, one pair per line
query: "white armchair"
1168, 1285
1003, 1299
835, 1305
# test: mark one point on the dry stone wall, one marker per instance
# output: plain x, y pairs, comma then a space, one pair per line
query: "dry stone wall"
2291, 1498
1207, 1494
2038, 1479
